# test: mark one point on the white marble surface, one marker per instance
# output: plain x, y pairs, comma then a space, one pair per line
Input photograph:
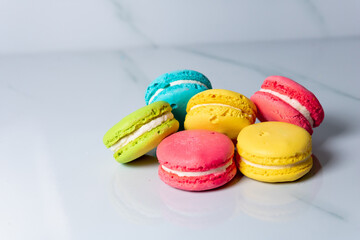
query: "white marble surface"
52, 25
58, 181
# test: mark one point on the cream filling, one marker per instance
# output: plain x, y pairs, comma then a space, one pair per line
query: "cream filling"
178, 82
143, 129
198, 174
292, 102
274, 167
217, 104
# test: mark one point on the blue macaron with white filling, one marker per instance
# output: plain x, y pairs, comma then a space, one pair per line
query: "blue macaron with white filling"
177, 88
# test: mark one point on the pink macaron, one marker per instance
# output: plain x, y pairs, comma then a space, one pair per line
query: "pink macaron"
196, 160
282, 99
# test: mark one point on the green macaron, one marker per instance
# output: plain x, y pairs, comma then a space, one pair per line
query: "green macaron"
141, 131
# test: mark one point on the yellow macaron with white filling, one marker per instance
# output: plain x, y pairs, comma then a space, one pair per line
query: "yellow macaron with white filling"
220, 110
274, 152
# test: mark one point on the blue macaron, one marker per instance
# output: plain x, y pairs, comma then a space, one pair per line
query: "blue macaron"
177, 88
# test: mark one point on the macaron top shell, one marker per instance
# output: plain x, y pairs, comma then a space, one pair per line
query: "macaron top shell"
164, 82
274, 143
134, 121
195, 150
294, 90
226, 97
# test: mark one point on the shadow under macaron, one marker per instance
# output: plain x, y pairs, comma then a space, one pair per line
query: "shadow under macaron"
143, 161
331, 127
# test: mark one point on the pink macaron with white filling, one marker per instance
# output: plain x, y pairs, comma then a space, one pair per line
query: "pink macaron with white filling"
282, 99
196, 160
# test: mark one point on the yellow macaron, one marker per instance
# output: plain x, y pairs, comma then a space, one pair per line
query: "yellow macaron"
220, 110
274, 152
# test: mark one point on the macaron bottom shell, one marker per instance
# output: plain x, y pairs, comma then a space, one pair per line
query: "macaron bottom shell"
146, 142
285, 174
198, 183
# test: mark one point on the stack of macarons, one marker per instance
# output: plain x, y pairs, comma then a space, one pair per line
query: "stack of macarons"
196, 128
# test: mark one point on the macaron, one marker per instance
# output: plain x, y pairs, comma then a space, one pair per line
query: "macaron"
274, 152
177, 88
196, 160
140, 131
220, 110
282, 99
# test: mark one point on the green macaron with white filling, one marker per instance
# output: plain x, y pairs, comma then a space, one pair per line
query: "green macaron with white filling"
140, 131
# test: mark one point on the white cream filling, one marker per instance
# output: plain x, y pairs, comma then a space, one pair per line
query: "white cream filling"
217, 104
143, 129
273, 167
197, 174
178, 82
292, 102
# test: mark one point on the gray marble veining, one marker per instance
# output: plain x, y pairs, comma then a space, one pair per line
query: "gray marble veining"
315, 13
119, 24
322, 209
125, 15
262, 70
134, 71
267, 71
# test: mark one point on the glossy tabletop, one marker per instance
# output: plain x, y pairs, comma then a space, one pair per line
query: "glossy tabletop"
58, 180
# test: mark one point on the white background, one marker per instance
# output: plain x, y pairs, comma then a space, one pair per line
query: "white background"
52, 25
